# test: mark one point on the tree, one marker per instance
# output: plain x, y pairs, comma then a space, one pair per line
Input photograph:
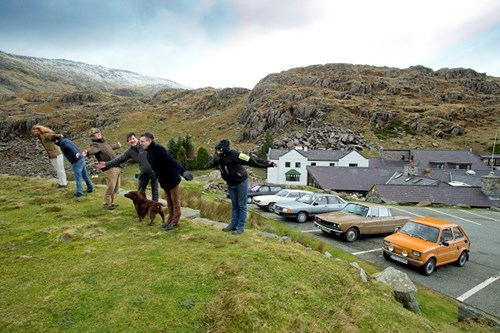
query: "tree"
188, 145
268, 143
202, 158
173, 147
182, 157
175, 144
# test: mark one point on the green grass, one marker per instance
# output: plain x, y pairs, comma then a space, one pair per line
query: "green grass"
70, 266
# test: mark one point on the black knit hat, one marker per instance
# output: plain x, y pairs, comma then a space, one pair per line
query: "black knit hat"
223, 145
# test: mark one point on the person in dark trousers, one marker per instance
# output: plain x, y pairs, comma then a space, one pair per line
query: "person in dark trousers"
74, 155
104, 152
138, 154
168, 172
230, 163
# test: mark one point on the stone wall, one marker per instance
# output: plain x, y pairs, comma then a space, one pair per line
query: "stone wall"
491, 185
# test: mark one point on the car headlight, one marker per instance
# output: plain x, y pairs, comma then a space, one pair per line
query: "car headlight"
416, 253
386, 243
287, 210
404, 253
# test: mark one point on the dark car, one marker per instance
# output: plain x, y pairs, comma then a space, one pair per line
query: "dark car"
261, 189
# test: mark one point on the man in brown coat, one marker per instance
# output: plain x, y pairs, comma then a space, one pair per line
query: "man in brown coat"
104, 153
55, 155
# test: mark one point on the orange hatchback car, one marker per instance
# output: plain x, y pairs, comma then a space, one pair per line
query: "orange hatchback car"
428, 243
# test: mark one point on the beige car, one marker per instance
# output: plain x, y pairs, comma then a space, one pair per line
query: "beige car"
360, 219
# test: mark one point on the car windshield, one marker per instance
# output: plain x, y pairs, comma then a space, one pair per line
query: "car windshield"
282, 193
356, 209
422, 231
307, 199
255, 188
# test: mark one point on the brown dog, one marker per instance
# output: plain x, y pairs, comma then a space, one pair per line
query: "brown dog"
145, 206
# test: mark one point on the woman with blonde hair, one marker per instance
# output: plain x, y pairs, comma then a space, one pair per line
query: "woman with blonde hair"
55, 155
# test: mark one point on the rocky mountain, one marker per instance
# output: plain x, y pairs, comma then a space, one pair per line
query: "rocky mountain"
447, 104
333, 106
29, 74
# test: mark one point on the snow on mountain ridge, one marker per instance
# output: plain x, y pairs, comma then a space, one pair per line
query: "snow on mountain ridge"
84, 71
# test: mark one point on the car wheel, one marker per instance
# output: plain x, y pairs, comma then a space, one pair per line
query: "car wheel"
270, 207
462, 259
351, 234
385, 255
302, 217
249, 200
429, 266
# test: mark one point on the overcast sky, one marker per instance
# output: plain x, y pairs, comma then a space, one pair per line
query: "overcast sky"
236, 43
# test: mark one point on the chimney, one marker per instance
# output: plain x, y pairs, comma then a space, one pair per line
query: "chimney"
410, 169
490, 186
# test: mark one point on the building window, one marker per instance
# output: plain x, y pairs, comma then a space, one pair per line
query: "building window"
464, 166
287, 164
353, 165
332, 164
313, 164
297, 164
436, 165
293, 178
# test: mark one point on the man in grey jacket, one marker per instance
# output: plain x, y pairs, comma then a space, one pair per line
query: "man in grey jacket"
138, 154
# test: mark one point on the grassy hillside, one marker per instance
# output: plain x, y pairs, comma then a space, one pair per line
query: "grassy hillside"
70, 266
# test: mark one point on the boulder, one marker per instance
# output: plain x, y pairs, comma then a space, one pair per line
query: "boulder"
403, 288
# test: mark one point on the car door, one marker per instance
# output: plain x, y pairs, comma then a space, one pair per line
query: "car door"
292, 195
461, 241
264, 189
320, 205
386, 224
447, 253
371, 223
335, 204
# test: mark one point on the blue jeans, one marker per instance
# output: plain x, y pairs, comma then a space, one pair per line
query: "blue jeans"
238, 194
143, 184
80, 172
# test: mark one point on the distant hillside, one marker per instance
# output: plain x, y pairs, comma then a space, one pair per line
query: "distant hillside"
333, 106
414, 107
29, 74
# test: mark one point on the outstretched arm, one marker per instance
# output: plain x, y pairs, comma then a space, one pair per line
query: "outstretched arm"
214, 162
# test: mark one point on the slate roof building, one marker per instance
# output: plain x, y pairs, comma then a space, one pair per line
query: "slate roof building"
439, 177
292, 164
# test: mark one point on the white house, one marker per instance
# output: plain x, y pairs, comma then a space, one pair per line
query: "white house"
292, 164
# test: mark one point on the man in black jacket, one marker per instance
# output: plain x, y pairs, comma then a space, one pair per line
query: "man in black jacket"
139, 155
230, 163
168, 171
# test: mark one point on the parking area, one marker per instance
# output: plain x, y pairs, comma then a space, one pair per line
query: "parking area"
476, 284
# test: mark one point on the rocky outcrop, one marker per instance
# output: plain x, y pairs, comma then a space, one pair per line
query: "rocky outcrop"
323, 136
419, 99
403, 288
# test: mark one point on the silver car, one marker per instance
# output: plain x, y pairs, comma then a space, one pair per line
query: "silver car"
309, 205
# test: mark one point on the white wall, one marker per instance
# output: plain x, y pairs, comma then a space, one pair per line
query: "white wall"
277, 175
353, 158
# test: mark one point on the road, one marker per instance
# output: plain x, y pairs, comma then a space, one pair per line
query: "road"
476, 284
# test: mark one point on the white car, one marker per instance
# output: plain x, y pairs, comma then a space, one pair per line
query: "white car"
268, 201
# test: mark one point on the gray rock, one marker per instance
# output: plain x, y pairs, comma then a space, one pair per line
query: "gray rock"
362, 273
403, 288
